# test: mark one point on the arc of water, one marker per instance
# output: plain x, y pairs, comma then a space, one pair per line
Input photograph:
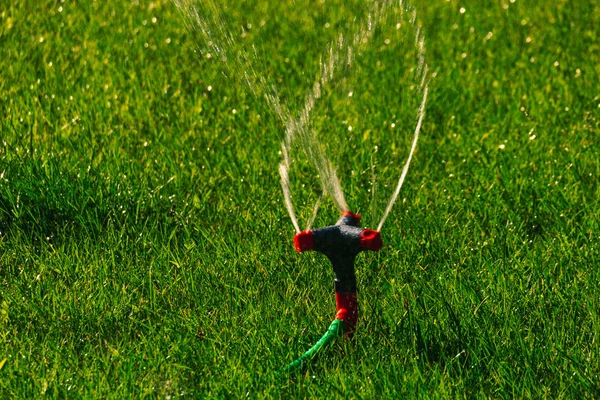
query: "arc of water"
407, 163
340, 55
220, 42
285, 187
422, 69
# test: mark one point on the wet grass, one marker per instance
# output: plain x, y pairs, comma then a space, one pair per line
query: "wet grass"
145, 250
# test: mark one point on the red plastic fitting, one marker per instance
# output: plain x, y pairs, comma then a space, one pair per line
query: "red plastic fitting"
346, 305
350, 213
370, 240
304, 241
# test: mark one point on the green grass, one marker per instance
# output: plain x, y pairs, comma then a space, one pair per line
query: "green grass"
145, 250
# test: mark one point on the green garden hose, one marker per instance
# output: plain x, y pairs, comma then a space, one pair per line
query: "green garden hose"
341, 243
335, 329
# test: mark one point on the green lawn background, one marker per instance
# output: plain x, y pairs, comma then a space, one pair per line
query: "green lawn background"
145, 250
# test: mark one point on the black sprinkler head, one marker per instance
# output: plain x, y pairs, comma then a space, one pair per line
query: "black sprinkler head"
341, 243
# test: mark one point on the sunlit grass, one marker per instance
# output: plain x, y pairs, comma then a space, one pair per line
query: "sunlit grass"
145, 249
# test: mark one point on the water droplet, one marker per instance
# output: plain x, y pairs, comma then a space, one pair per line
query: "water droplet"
462, 10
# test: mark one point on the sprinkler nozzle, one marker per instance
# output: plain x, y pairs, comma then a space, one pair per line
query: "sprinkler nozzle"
370, 240
341, 243
304, 241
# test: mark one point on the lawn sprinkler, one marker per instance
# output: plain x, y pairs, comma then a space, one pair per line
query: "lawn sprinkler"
341, 243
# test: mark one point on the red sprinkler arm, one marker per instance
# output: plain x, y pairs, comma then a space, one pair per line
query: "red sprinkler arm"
341, 243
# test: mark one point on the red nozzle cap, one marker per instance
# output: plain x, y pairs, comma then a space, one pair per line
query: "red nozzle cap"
304, 241
350, 213
370, 240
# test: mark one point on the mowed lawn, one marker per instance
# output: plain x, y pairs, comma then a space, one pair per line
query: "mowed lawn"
145, 249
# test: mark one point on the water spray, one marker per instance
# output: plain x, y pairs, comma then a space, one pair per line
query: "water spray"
341, 243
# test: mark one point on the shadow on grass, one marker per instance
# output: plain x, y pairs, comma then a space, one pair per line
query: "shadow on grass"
48, 203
